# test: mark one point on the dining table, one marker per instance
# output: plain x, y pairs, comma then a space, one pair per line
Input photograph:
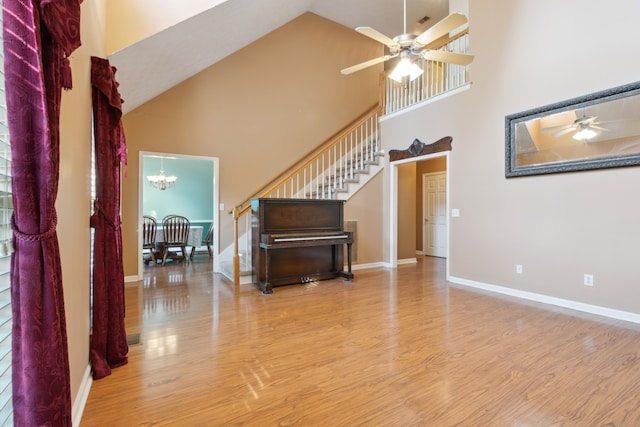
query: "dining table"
194, 240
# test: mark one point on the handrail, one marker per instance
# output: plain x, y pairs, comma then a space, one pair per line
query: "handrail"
309, 157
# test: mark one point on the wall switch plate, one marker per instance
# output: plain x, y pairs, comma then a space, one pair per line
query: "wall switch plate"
221, 206
455, 213
518, 268
588, 279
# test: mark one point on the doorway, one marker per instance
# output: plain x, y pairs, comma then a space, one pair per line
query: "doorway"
195, 193
394, 202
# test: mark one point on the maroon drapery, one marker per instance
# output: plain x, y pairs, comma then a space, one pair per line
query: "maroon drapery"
109, 346
39, 35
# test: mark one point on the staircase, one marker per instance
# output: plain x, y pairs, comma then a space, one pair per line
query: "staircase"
339, 168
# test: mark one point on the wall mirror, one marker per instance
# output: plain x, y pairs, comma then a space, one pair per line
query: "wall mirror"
599, 130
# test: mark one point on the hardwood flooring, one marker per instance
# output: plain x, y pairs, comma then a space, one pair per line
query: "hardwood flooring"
394, 348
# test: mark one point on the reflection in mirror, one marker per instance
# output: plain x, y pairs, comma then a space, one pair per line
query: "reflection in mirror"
595, 131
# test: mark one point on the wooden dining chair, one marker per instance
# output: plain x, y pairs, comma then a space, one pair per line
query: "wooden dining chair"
175, 229
207, 241
149, 225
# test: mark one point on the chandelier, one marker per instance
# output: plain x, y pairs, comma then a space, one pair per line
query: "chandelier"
162, 181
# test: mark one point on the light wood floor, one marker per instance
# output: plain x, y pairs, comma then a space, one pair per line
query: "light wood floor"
394, 348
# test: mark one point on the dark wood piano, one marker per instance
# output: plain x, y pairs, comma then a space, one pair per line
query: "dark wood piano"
298, 241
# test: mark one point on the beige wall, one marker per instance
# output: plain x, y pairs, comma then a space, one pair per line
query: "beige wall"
406, 211
133, 20
366, 208
560, 226
74, 198
259, 110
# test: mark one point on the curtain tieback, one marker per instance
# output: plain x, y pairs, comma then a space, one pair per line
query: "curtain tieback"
35, 237
65, 74
97, 209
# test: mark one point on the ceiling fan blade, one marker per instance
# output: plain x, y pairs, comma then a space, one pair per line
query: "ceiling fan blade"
565, 131
448, 57
439, 29
378, 36
366, 64
556, 128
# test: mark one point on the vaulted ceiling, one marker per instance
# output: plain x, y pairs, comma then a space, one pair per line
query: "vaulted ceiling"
157, 63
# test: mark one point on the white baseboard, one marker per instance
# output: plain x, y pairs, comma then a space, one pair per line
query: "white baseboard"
370, 265
128, 279
81, 398
419, 253
531, 296
407, 261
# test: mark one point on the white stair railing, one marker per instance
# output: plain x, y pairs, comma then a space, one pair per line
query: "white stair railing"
438, 78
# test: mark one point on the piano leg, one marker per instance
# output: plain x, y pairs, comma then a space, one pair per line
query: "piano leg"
266, 287
348, 275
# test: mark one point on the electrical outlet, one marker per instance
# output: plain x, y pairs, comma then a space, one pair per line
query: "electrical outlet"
455, 213
518, 268
588, 279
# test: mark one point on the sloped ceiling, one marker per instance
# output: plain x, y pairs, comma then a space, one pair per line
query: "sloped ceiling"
148, 68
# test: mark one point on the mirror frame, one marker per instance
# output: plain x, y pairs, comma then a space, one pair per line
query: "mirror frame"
511, 170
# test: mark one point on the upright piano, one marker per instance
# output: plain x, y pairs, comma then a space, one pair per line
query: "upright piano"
298, 241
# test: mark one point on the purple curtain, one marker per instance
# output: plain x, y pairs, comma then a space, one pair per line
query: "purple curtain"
109, 346
39, 35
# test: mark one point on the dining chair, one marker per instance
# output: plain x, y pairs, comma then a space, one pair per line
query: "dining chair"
175, 229
149, 225
207, 241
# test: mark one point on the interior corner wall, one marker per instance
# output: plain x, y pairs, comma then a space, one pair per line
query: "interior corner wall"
365, 207
559, 226
259, 111
73, 204
406, 211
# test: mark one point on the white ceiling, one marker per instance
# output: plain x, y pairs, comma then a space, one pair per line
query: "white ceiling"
157, 63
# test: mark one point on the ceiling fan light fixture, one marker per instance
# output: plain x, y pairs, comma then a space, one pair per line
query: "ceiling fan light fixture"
585, 134
406, 45
415, 71
406, 68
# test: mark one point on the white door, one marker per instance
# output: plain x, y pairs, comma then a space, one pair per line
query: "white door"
434, 212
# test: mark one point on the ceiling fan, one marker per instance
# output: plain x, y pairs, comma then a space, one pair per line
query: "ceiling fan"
408, 45
585, 128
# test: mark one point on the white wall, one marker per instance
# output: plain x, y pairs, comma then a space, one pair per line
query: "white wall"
561, 226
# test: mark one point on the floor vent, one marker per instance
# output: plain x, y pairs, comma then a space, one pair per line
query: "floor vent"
133, 339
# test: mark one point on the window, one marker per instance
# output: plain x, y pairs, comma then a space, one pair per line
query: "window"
6, 210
